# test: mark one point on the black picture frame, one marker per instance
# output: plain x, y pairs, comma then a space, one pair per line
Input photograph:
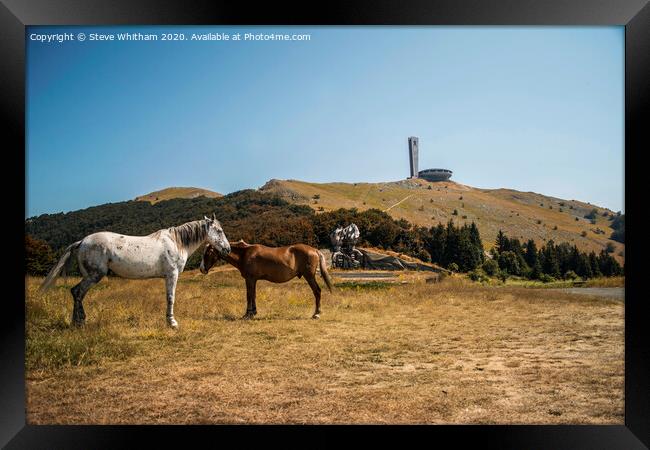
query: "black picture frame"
15, 15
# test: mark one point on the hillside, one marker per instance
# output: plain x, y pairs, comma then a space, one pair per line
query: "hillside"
176, 192
523, 215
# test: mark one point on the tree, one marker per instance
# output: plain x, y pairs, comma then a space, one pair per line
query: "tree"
436, 244
583, 268
509, 263
550, 265
452, 249
530, 254
469, 256
618, 225
39, 257
491, 267
475, 239
594, 265
609, 267
501, 243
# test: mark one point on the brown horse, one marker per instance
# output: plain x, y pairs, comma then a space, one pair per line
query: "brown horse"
275, 264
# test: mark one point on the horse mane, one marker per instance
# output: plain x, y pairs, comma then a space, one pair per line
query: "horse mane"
239, 244
190, 233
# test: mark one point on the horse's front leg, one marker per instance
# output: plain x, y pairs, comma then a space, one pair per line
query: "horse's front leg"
170, 282
251, 309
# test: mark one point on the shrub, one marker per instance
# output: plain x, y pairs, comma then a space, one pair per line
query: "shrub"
453, 267
584, 233
455, 213
423, 255
546, 278
570, 275
491, 267
478, 275
592, 214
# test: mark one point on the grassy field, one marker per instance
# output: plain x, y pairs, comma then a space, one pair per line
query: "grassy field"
402, 352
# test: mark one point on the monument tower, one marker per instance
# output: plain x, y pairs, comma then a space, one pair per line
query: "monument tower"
413, 156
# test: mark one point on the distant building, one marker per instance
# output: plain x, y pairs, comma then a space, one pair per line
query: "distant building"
435, 174
413, 156
426, 174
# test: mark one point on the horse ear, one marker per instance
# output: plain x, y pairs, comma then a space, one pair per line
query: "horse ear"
214, 216
206, 217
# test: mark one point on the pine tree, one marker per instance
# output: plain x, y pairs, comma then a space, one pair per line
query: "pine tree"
475, 238
436, 244
583, 268
530, 254
451, 244
551, 266
594, 265
501, 243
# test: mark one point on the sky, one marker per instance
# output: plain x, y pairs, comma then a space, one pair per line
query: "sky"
529, 108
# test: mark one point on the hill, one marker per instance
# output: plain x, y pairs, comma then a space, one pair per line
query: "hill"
524, 215
176, 192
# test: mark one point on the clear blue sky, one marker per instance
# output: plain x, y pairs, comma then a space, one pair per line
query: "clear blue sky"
530, 108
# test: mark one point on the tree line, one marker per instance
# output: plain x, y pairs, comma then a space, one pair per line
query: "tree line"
259, 217
550, 262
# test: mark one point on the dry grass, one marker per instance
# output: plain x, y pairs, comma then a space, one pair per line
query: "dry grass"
453, 352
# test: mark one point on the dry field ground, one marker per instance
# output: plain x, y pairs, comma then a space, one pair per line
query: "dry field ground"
452, 352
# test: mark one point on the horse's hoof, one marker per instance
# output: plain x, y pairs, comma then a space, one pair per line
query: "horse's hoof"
316, 316
172, 323
78, 323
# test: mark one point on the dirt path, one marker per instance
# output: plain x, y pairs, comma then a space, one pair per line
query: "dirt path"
364, 275
613, 292
405, 198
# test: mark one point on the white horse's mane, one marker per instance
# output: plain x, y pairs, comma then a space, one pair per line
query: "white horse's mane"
189, 233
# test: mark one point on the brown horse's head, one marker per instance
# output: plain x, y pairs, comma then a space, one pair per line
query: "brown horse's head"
210, 256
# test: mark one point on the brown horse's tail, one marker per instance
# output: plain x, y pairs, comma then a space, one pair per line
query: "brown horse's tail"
323, 271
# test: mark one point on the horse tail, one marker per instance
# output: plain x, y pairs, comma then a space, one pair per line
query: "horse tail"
323, 271
56, 270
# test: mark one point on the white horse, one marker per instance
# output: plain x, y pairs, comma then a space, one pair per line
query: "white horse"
162, 254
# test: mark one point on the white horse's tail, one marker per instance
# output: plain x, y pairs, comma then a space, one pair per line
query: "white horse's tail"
56, 270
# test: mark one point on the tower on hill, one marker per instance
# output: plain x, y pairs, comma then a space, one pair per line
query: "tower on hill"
413, 156
426, 174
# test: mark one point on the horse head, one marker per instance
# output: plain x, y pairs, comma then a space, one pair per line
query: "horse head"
210, 256
216, 236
